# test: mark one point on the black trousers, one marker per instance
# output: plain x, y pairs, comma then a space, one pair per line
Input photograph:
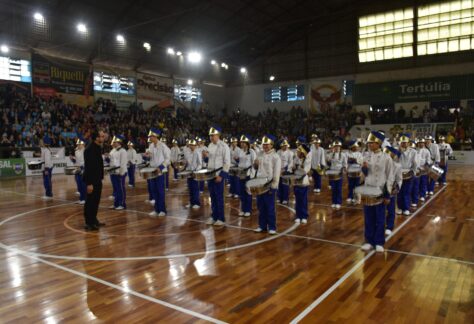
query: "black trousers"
92, 205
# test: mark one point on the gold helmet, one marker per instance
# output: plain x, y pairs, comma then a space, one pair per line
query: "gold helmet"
192, 142
284, 143
336, 143
80, 142
268, 139
130, 143
375, 137
244, 138
404, 139
215, 130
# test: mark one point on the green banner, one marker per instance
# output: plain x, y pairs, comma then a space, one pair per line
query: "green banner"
433, 89
12, 168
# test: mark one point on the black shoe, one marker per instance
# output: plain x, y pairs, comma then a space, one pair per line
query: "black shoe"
91, 228
99, 224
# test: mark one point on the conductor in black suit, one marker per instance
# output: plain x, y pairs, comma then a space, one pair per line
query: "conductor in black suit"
93, 175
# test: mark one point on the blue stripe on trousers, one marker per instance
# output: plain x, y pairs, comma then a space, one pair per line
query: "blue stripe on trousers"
374, 224
266, 210
301, 202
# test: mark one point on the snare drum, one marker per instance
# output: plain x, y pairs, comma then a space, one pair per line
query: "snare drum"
185, 174
72, 170
35, 165
204, 175
371, 196
241, 173
354, 171
150, 173
179, 166
258, 186
111, 170
334, 174
435, 172
407, 174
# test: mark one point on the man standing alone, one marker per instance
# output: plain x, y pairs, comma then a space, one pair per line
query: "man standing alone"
93, 175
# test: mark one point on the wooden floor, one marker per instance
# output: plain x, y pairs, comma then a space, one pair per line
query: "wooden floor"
139, 269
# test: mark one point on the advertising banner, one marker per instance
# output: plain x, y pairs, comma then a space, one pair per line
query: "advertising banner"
154, 91
433, 89
12, 168
52, 77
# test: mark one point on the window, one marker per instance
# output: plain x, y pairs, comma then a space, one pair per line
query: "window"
187, 93
284, 94
445, 27
386, 35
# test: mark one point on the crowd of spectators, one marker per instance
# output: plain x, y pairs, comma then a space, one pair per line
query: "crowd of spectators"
26, 119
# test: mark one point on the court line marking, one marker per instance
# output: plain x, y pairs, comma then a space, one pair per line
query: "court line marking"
112, 285
431, 257
321, 298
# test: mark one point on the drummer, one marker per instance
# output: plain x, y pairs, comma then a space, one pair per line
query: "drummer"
175, 156
286, 157
354, 159
78, 160
337, 161
434, 159
424, 159
447, 151
217, 156
397, 184
46, 158
132, 160
377, 168
146, 159
408, 163
268, 166
159, 159
318, 161
193, 163
201, 148
301, 190
167, 171
118, 158
247, 157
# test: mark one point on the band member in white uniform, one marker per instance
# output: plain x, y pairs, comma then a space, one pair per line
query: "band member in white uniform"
301, 189
337, 160
167, 173
377, 168
246, 159
286, 157
234, 180
159, 159
132, 158
201, 148
424, 158
318, 162
435, 159
217, 158
175, 156
354, 158
193, 163
268, 165
397, 184
408, 162
415, 187
78, 160
445, 151
118, 159
46, 158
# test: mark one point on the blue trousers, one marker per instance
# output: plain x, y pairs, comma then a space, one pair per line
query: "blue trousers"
301, 202
415, 190
201, 186
442, 179
118, 183
423, 185
336, 188
149, 187
234, 185
81, 186
216, 191
431, 184
352, 183
167, 179
131, 175
391, 213
266, 210
47, 181
193, 192
158, 193
404, 196
113, 188
375, 224
283, 191
245, 198
317, 180
175, 174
